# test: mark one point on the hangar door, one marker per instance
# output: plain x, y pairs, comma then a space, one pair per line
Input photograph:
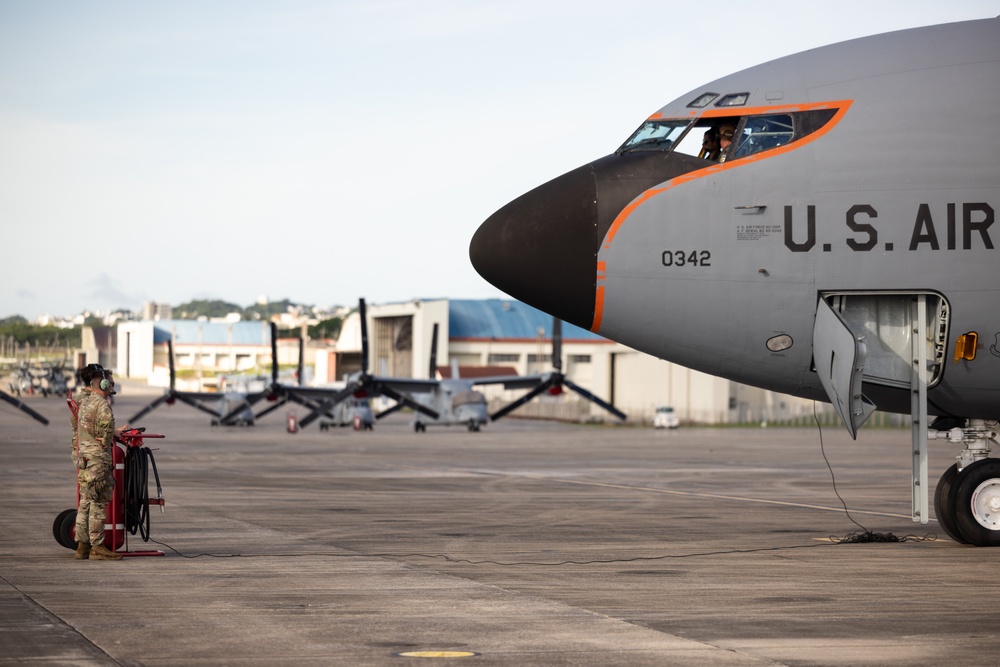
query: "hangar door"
392, 346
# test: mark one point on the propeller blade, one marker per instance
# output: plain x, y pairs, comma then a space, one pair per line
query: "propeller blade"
386, 390
386, 413
364, 336
23, 408
286, 398
594, 399
253, 399
432, 373
274, 356
328, 404
195, 403
227, 419
302, 361
149, 408
170, 363
510, 407
268, 410
245, 404
557, 344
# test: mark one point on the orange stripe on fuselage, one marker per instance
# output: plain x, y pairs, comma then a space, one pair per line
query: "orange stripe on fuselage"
599, 298
841, 106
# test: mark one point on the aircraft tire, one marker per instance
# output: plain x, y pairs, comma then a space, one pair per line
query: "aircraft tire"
943, 507
976, 503
64, 528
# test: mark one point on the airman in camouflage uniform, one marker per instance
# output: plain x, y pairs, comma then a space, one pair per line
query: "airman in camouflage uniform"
96, 433
83, 396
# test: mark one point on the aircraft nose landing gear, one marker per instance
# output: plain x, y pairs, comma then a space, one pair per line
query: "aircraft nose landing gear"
967, 500
977, 503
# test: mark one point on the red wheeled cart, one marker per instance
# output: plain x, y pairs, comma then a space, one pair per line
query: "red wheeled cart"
128, 511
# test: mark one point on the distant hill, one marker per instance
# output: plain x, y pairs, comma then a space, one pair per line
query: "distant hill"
192, 310
329, 328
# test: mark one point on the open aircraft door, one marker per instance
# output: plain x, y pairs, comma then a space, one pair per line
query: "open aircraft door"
839, 356
885, 338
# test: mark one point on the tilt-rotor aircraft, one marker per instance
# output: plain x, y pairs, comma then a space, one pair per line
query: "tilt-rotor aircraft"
458, 402
322, 401
455, 400
820, 225
231, 408
551, 382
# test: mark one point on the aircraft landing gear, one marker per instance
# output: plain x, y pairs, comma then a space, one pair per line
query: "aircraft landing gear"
419, 427
967, 499
943, 508
976, 499
473, 426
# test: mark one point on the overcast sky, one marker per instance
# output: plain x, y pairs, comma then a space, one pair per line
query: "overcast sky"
322, 151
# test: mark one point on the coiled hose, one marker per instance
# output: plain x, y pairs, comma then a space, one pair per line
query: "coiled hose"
136, 492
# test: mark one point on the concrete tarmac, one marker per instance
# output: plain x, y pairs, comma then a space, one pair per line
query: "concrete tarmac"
529, 543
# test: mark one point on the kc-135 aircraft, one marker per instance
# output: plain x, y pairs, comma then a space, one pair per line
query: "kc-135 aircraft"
841, 247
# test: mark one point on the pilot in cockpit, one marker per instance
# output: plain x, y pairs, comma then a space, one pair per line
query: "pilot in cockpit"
726, 132
710, 145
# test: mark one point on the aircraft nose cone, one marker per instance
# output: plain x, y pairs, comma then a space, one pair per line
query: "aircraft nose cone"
541, 248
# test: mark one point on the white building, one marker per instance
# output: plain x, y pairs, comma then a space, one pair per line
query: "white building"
201, 349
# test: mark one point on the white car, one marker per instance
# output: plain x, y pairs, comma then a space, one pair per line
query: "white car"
665, 418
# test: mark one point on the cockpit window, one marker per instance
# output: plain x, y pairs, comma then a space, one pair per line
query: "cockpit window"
733, 100
761, 133
705, 137
702, 140
656, 135
702, 100
470, 397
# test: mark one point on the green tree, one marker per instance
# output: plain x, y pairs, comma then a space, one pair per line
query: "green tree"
264, 311
329, 328
205, 308
18, 329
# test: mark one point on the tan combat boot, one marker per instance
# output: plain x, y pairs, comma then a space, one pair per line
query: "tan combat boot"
82, 551
101, 552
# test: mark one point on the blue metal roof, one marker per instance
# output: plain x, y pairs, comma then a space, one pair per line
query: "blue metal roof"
502, 319
191, 332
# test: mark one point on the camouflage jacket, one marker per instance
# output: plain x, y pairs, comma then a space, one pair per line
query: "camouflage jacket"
96, 426
81, 398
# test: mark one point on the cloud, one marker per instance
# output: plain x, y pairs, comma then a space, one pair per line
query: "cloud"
108, 291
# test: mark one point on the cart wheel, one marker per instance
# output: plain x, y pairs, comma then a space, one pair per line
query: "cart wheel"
64, 529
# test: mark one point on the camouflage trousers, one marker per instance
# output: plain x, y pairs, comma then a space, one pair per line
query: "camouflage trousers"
97, 483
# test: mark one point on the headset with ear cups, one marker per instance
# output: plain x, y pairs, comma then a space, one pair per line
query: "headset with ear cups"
105, 382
